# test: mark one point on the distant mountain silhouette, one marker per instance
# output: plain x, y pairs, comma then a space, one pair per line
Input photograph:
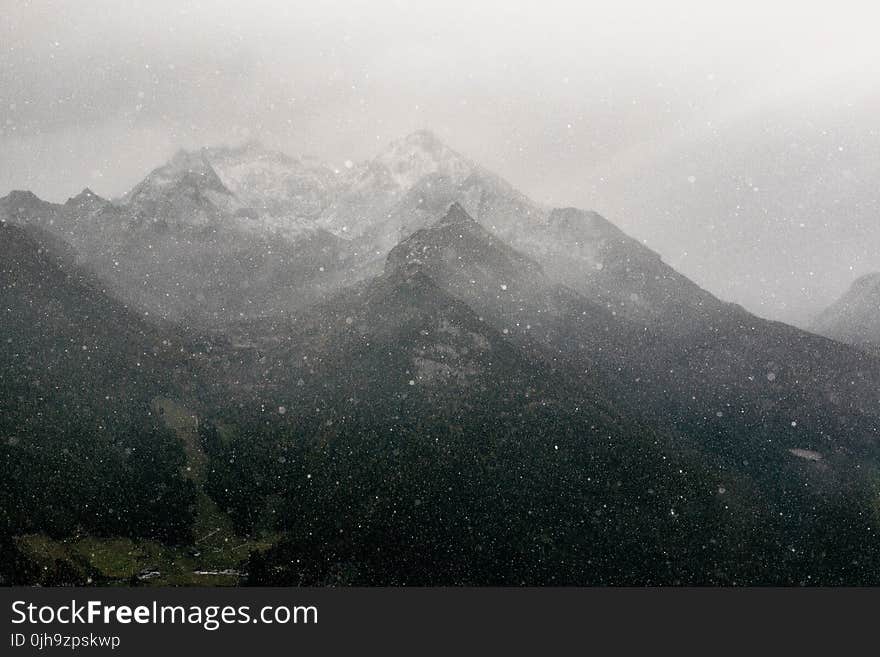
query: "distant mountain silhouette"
855, 317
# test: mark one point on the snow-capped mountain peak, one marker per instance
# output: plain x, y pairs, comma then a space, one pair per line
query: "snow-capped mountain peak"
420, 154
190, 169
274, 183
185, 191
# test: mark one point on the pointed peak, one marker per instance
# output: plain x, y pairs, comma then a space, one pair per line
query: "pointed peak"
419, 154
85, 196
191, 165
183, 163
186, 170
455, 232
456, 215
23, 196
24, 204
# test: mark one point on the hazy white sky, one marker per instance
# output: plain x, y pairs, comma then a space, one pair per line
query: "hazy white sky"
740, 140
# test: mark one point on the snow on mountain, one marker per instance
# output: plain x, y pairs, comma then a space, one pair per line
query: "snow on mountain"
420, 154
365, 208
413, 181
273, 183
247, 197
185, 191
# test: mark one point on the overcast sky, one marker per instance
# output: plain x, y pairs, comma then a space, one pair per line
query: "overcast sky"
742, 143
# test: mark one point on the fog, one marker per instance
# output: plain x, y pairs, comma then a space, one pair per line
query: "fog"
740, 142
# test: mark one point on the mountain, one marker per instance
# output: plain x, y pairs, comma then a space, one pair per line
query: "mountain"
184, 192
26, 207
513, 292
225, 234
294, 190
420, 154
86, 202
414, 375
364, 209
855, 317
81, 448
398, 437
181, 246
463, 399
64, 331
730, 374
417, 178
245, 214
589, 254
638, 320
413, 181
455, 246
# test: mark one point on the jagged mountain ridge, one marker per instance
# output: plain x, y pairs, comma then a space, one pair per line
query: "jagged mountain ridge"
187, 188
246, 198
204, 266
275, 184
